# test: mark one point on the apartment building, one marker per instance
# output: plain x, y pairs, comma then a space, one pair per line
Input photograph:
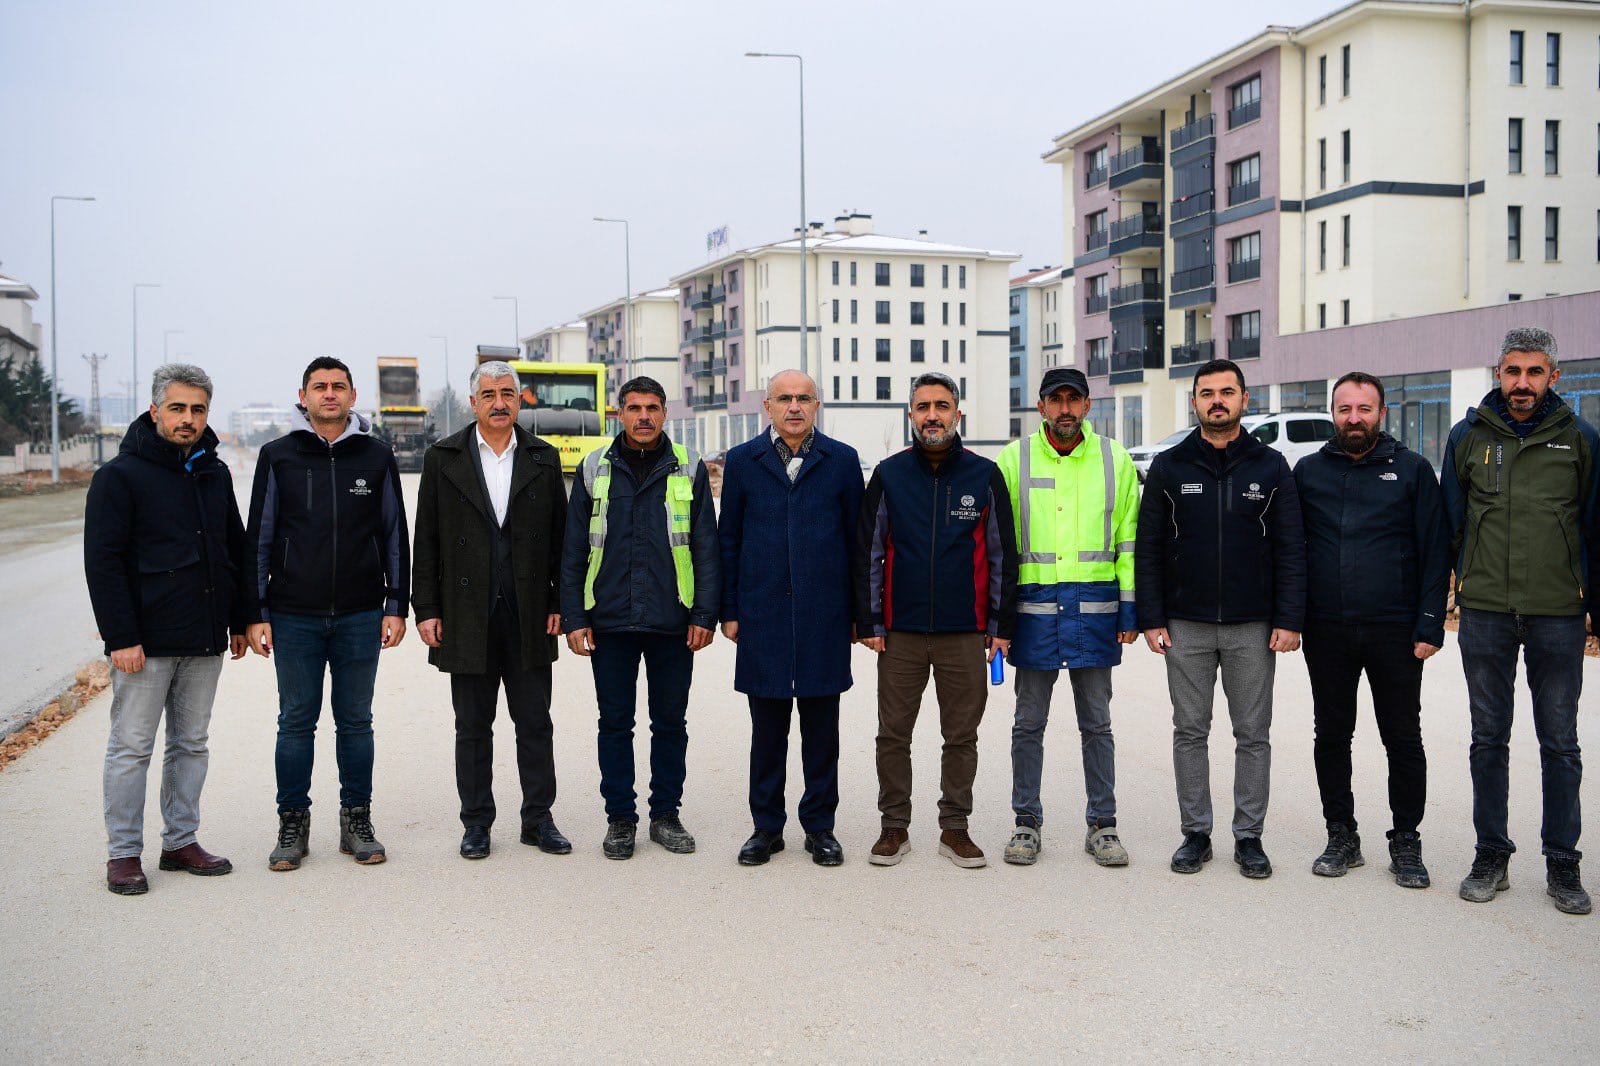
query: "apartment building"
882, 310
558, 344
655, 340
20, 335
1038, 339
1371, 190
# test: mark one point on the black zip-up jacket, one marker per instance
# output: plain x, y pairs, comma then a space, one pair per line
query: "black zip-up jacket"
164, 551
328, 524
1377, 541
937, 549
1220, 538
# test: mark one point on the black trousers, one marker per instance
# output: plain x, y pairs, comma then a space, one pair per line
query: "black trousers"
1336, 656
475, 697
819, 758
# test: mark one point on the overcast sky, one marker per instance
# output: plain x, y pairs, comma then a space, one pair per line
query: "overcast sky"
348, 178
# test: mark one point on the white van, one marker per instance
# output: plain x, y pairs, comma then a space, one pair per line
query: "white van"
1296, 434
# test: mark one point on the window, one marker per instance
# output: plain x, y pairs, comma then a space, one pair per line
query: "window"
836, 311
1344, 149
855, 349
880, 273
855, 388
836, 281
1516, 57
918, 313
1244, 179
853, 316
944, 354
963, 384
916, 275
1552, 234
1097, 351
1552, 147
1304, 396
733, 392
1322, 316
1244, 257
1322, 245
1302, 431
852, 275
836, 349
883, 389
1016, 428
919, 352
1244, 102
1322, 79
1344, 240
1514, 146
961, 276
1266, 433
733, 355
1245, 327
1344, 71
1095, 167
944, 314
733, 281
1322, 162
1344, 312
1132, 421
1094, 231
836, 386
1016, 336
882, 315
944, 275
1552, 59
883, 349
1513, 232
962, 307
963, 351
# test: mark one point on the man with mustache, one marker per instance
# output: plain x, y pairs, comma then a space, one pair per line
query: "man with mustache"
491, 515
1522, 488
640, 580
1075, 495
1221, 577
1377, 574
936, 577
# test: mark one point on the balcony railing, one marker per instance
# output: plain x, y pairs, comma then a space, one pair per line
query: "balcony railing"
1244, 347
1094, 303
1148, 150
1249, 112
702, 368
1198, 130
604, 331
1199, 203
1134, 225
1192, 353
708, 399
1098, 366
1096, 238
1135, 359
1133, 293
1244, 269
697, 334
1200, 277
1239, 194
716, 331
717, 293
1095, 177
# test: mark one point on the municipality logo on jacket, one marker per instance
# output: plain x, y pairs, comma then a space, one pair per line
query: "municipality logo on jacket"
360, 488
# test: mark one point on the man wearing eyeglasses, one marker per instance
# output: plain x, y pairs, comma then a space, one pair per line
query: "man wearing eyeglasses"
790, 498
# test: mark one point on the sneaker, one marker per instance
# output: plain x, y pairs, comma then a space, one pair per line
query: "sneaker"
1025, 845
1405, 860
891, 847
957, 846
1194, 852
1563, 886
294, 840
356, 837
1102, 843
1342, 854
670, 834
1251, 859
618, 843
1488, 875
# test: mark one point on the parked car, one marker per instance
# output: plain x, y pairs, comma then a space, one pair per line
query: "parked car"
1145, 454
1295, 433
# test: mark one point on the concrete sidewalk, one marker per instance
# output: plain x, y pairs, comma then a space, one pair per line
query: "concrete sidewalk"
529, 956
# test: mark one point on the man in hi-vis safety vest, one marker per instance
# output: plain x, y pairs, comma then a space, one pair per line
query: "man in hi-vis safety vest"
640, 580
1075, 497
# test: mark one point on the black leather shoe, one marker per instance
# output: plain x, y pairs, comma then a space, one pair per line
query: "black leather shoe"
475, 842
761, 846
824, 848
1194, 852
1251, 859
546, 837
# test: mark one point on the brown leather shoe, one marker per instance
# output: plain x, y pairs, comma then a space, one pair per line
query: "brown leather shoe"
196, 860
125, 877
957, 846
891, 847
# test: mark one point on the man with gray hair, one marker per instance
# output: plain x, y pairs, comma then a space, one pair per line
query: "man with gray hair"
1521, 484
165, 557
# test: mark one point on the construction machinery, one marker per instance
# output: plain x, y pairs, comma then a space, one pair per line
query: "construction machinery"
402, 419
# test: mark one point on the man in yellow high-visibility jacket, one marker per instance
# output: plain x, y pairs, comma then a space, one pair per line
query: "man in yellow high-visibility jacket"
1075, 496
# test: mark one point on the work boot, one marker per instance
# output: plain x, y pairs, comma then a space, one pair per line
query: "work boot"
891, 847
1342, 854
1488, 875
670, 834
1563, 885
1251, 859
1026, 844
356, 837
1405, 860
1194, 852
294, 840
956, 845
618, 843
1103, 844
126, 877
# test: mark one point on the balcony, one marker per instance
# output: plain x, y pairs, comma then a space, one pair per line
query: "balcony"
1193, 206
1098, 366
708, 399
1139, 163
1095, 238
1243, 194
1244, 348
1249, 112
1193, 354
1200, 277
604, 331
704, 368
716, 331
707, 297
1136, 292
1201, 129
1135, 232
1097, 176
698, 334
1095, 303
1244, 269
1135, 360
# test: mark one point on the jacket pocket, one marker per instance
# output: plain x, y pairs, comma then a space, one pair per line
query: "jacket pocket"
168, 583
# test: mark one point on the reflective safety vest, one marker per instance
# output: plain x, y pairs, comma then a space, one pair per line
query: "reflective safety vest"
680, 497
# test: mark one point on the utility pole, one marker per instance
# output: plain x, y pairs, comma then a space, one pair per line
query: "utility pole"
94, 362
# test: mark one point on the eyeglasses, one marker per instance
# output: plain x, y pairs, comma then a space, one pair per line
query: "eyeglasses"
804, 399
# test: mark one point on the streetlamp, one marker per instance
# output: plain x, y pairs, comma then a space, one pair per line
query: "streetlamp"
627, 293
449, 390
166, 349
136, 288
804, 335
516, 322
55, 385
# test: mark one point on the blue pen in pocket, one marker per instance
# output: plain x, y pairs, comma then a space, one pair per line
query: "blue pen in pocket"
997, 668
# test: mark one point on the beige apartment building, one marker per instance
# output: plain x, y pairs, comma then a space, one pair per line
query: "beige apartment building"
558, 344
655, 340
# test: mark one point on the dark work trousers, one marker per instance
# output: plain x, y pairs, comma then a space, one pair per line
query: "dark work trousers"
669, 668
1336, 656
528, 701
819, 758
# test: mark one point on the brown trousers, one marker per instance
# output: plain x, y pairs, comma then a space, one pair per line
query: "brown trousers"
960, 678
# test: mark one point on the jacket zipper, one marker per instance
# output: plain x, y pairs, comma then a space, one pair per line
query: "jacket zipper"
333, 585
1224, 484
933, 550
205, 561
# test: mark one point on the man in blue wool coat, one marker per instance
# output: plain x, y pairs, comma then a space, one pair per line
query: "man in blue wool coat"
790, 498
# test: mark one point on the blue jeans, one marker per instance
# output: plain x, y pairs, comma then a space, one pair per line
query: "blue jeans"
1552, 651
1091, 697
669, 666
305, 647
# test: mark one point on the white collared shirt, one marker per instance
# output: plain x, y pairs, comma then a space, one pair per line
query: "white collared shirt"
497, 473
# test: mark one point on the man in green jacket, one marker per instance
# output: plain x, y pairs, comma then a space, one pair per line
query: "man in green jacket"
1521, 484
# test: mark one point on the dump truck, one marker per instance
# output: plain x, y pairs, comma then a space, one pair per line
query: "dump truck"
402, 419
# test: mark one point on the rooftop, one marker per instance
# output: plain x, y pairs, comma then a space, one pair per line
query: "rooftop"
12, 289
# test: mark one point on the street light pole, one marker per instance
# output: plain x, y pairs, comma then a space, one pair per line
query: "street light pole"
627, 292
449, 389
55, 384
516, 322
136, 288
805, 337
166, 350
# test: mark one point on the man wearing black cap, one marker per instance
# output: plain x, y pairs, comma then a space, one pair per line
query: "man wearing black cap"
1075, 496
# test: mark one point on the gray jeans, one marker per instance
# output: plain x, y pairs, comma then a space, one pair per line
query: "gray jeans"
1091, 696
1198, 648
184, 687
